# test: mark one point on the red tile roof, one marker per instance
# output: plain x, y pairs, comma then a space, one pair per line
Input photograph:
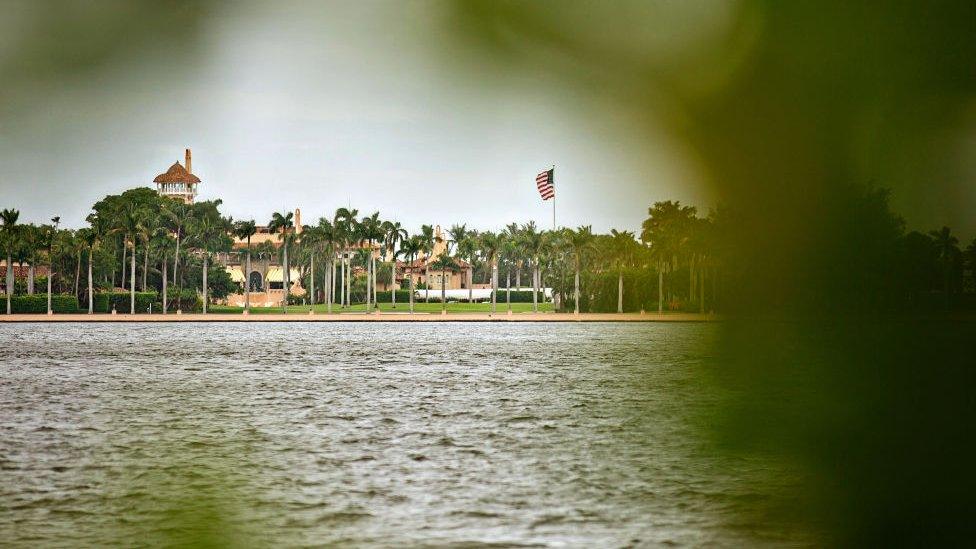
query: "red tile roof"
176, 174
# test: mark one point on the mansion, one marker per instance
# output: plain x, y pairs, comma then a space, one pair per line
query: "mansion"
266, 277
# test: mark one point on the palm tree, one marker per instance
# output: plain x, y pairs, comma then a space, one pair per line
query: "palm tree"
491, 247
51, 236
444, 262
666, 230
370, 230
428, 241
533, 243
411, 248
622, 252
178, 216
31, 241
509, 251
10, 233
311, 240
283, 224
515, 237
244, 230
947, 246
580, 242
330, 240
345, 224
209, 234
129, 225
395, 234
163, 243
92, 237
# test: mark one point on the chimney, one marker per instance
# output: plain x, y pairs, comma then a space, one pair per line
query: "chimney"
298, 220
189, 161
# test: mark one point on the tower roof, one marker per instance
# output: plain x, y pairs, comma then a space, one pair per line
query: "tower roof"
176, 174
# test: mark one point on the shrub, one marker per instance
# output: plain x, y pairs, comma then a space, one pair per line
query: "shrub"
523, 296
37, 303
104, 301
402, 296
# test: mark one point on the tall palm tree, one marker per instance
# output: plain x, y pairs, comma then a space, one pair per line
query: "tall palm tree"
444, 262
244, 230
311, 241
129, 225
622, 252
370, 231
518, 256
345, 223
31, 241
580, 242
411, 248
331, 241
93, 235
51, 237
510, 253
163, 244
428, 241
394, 234
533, 243
490, 245
666, 230
209, 234
283, 225
10, 234
178, 216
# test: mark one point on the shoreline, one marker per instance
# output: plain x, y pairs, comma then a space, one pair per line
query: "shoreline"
361, 317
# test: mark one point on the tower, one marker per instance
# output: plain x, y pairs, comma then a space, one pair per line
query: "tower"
179, 182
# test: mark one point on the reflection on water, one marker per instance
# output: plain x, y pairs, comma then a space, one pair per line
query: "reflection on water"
365, 434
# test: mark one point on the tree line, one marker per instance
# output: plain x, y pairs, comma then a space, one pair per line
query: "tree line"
140, 241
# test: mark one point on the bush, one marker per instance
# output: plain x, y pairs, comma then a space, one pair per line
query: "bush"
37, 303
104, 301
402, 296
189, 300
524, 296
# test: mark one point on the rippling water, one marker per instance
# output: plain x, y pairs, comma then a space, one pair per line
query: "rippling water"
361, 434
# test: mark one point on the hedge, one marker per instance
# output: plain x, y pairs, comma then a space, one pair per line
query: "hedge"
521, 296
104, 300
402, 296
37, 303
121, 300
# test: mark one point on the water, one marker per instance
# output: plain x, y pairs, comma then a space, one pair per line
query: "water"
363, 434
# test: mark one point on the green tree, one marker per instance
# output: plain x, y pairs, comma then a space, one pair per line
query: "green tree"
443, 263
411, 249
580, 243
395, 234
244, 230
282, 224
490, 244
622, 251
10, 236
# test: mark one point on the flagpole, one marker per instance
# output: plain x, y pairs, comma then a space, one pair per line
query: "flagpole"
554, 197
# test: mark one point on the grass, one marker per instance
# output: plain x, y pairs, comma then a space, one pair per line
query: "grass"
418, 307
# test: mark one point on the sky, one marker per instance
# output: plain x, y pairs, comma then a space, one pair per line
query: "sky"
384, 106
316, 107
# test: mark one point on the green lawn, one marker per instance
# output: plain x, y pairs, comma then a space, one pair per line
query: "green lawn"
401, 308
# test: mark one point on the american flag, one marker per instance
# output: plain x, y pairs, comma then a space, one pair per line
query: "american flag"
544, 182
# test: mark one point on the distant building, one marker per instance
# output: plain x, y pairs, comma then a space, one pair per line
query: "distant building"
267, 277
178, 181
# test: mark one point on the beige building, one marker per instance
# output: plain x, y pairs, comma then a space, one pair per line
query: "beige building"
266, 277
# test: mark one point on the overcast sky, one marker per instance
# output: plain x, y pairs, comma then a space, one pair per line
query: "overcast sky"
379, 106
319, 108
